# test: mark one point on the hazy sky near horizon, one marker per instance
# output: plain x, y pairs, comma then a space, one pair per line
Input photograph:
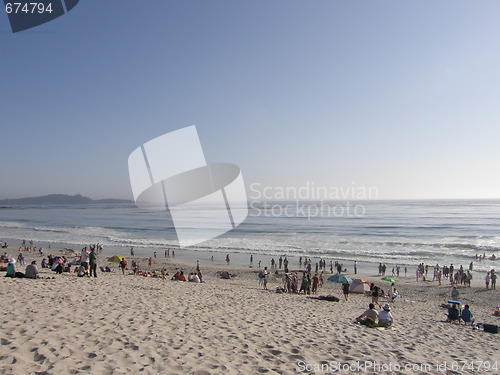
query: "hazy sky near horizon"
401, 96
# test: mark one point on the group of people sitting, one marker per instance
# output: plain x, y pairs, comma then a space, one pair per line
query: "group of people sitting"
193, 277
31, 271
455, 315
373, 318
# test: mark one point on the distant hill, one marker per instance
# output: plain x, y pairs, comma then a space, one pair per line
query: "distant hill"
55, 199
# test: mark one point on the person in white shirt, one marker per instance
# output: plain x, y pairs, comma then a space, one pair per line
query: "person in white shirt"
385, 318
84, 259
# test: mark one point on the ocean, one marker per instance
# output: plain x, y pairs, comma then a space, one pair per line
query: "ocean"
389, 232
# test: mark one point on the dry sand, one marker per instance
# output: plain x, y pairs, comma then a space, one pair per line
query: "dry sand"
116, 324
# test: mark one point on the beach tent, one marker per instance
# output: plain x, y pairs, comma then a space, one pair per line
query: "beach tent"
115, 258
360, 286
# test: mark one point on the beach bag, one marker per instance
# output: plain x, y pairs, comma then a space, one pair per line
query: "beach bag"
491, 328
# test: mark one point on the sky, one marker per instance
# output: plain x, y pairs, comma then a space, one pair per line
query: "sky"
398, 96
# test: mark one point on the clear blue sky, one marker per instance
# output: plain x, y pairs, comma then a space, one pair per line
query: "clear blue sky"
403, 96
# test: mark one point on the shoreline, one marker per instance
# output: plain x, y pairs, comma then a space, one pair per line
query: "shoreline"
242, 259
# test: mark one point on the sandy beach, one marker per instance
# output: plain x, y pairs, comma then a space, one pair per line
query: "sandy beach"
116, 324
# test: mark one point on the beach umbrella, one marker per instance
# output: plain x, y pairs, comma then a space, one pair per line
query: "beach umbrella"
115, 258
339, 278
387, 278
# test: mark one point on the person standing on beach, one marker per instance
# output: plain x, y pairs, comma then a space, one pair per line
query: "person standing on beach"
251, 260
265, 277
229, 260
355, 268
154, 254
132, 251
345, 290
493, 279
123, 265
84, 259
315, 283
150, 262
392, 292
487, 280
93, 263
375, 295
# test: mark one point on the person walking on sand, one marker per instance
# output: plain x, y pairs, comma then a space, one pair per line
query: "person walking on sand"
229, 260
150, 262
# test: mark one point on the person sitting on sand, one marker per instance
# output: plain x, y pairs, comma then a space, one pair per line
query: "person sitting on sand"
194, 278
369, 317
453, 313
11, 268
179, 276
81, 271
467, 316
385, 318
32, 271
